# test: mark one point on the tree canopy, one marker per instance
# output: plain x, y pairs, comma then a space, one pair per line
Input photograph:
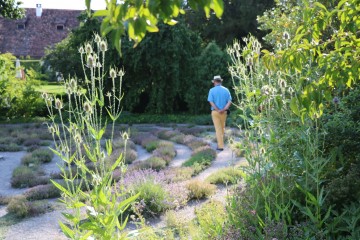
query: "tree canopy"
11, 9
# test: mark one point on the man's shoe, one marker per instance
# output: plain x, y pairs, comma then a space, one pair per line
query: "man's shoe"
220, 149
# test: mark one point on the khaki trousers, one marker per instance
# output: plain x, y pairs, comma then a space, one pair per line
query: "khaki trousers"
219, 120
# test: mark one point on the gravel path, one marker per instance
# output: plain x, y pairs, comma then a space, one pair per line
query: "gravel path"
183, 153
45, 227
10, 160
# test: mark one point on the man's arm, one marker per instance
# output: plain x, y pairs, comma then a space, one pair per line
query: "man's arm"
214, 106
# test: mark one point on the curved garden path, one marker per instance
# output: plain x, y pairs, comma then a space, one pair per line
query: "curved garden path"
46, 227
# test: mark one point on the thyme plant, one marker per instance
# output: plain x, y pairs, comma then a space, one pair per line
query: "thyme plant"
96, 207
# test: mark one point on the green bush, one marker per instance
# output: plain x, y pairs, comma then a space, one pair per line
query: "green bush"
179, 174
201, 158
18, 206
200, 190
228, 175
155, 163
166, 151
22, 208
12, 147
42, 192
24, 176
38, 156
153, 197
211, 218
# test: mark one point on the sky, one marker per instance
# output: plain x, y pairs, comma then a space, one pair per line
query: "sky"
63, 4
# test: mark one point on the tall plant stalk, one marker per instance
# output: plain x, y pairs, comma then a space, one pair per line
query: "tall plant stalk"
97, 208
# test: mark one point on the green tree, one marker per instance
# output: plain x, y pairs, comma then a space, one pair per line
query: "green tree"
324, 41
212, 57
11, 9
136, 18
65, 56
238, 20
161, 69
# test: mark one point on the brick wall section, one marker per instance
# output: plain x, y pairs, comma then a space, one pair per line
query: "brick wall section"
39, 32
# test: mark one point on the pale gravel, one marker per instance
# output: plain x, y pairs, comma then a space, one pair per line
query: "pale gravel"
9, 162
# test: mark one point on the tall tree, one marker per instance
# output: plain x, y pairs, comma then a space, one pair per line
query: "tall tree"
11, 9
239, 19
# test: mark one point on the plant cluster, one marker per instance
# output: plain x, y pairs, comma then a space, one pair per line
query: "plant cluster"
297, 167
200, 159
78, 139
158, 192
229, 175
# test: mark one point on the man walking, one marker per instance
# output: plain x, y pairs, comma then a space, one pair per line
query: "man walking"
220, 100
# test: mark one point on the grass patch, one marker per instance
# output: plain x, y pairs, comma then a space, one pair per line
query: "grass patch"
53, 89
228, 175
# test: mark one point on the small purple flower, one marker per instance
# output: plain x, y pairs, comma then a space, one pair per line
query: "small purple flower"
336, 100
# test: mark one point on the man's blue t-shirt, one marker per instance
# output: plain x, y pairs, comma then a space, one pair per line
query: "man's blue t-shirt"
220, 96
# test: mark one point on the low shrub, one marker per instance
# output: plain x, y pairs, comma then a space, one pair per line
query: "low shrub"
180, 138
228, 175
32, 148
155, 163
24, 176
199, 190
201, 158
156, 193
166, 151
31, 142
18, 206
178, 195
130, 156
152, 197
4, 200
12, 147
22, 208
42, 192
191, 130
179, 173
150, 146
167, 134
38, 156
211, 218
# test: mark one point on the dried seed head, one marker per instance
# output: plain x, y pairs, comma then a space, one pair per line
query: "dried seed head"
112, 73
73, 85
103, 46
58, 104
90, 61
265, 90
97, 38
286, 35
87, 107
51, 129
81, 50
262, 151
78, 138
88, 49
282, 83
44, 95
121, 73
